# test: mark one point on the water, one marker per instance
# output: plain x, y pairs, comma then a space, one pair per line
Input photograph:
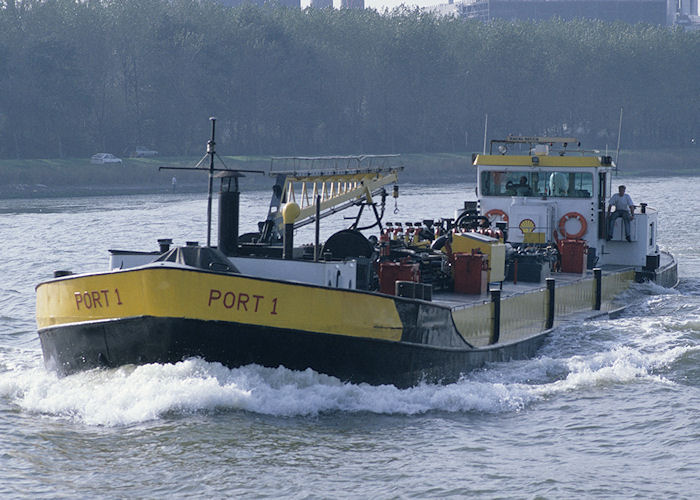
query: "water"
609, 409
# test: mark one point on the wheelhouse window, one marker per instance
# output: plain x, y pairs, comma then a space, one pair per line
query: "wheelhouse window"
537, 183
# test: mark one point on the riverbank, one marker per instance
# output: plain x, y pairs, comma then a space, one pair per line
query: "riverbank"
78, 177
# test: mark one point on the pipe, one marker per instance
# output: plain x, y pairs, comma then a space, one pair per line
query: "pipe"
164, 244
290, 212
288, 250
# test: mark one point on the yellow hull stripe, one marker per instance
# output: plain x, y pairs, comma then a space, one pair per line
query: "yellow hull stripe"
474, 323
168, 292
525, 314
613, 284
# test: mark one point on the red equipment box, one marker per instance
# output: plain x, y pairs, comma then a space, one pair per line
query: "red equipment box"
470, 273
391, 272
573, 256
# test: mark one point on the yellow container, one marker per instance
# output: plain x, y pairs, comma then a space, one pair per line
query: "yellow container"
534, 238
467, 242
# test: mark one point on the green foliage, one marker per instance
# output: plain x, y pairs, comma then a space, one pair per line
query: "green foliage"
78, 77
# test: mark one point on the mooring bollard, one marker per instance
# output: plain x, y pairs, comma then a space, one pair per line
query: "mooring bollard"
317, 245
551, 304
496, 317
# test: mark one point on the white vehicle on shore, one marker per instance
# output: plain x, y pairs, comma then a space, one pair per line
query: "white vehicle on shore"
101, 158
142, 152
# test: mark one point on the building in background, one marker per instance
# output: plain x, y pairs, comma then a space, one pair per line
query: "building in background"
659, 12
684, 13
292, 4
296, 4
352, 4
629, 11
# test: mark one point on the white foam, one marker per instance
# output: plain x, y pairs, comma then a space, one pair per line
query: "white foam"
136, 394
132, 394
634, 350
652, 288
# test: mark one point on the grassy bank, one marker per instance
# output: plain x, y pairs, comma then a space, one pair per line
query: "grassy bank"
660, 162
69, 177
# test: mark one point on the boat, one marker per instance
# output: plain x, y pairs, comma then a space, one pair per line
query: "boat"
412, 302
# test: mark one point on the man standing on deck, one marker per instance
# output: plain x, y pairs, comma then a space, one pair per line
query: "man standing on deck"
624, 207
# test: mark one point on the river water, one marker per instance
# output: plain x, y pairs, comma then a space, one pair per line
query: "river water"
608, 409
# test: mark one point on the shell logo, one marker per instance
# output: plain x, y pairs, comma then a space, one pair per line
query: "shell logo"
527, 225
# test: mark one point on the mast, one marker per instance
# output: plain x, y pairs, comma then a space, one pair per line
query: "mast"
226, 174
211, 151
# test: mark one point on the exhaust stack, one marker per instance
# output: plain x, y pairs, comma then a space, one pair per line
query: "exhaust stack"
229, 201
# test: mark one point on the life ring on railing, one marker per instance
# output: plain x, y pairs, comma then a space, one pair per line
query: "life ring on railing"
573, 215
494, 212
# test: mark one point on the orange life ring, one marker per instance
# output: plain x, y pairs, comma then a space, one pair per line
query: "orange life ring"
573, 215
496, 213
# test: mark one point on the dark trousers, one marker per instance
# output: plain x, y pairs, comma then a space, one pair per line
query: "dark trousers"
625, 221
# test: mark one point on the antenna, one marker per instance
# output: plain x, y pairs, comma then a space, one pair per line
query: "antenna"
619, 134
486, 126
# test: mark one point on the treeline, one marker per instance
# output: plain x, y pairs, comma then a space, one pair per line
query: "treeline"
78, 77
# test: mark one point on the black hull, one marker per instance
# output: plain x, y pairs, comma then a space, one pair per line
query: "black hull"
146, 339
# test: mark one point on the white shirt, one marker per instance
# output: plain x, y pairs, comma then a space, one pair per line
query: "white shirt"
623, 202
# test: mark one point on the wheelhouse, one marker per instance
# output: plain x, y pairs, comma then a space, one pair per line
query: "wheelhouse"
548, 189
